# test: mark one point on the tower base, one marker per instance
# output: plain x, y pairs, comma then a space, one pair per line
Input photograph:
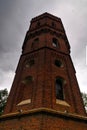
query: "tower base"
42, 119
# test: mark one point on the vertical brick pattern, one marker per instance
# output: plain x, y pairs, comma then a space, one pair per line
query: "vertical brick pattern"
41, 91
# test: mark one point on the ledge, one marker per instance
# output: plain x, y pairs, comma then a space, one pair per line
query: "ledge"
45, 111
61, 102
24, 102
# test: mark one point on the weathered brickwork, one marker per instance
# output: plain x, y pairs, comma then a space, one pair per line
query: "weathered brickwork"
45, 78
43, 120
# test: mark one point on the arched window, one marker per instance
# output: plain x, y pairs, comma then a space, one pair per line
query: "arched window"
59, 89
55, 42
53, 24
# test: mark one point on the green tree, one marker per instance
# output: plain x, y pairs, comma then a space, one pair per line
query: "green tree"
84, 97
3, 99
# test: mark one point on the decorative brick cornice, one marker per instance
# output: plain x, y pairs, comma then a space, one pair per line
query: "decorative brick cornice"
46, 111
37, 32
58, 33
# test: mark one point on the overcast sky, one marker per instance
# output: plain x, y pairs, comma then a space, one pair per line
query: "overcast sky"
15, 16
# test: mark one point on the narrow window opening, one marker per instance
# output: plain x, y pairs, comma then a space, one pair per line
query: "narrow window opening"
53, 24
55, 42
59, 89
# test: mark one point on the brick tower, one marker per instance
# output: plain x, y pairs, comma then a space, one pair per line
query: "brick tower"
45, 93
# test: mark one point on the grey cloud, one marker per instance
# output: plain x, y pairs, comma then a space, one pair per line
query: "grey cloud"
15, 17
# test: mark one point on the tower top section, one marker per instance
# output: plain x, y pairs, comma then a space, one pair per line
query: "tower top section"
46, 30
49, 20
46, 15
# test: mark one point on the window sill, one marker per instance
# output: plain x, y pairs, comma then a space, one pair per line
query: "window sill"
24, 102
61, 102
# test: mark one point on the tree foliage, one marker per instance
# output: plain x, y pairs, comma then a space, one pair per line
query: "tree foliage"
84, 97
3, 99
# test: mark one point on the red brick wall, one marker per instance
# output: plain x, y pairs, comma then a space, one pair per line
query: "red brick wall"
43, 121
42, 91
